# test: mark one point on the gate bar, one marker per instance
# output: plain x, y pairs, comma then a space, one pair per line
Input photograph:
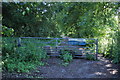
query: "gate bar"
96, 49
59, 38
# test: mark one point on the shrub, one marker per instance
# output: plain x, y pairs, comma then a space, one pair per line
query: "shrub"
66, 56
21, 59
90, 57
7, 31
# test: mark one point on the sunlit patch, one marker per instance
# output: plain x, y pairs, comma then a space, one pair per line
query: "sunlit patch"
106, 61
99, 63
112, 71
100, 73
108, 65
116, 17
81, 49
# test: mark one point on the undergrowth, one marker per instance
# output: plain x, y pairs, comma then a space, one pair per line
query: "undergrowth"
66, 56
21, 59
90, 57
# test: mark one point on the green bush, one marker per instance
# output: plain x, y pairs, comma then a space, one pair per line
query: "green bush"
30, 52
113, 50
90, 57
66, 56
116, 48
21, 59
20, 66
8, 47
7, 31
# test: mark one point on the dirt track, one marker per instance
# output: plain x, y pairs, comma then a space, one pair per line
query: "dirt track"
78, 68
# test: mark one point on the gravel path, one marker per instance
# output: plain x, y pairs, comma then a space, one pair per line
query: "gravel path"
78, 68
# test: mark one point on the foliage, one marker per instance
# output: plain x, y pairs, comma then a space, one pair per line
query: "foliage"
21, 17
8, 47
21, 59
66, 56
115, 48
90, 57
7, 31
65, 64
81, 20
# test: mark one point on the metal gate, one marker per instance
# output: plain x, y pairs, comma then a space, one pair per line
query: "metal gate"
53, 46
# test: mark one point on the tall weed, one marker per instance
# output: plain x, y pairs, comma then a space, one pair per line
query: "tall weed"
21, 59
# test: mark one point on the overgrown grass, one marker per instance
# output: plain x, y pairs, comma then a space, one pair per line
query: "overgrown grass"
66, 56
21, 59
90, 57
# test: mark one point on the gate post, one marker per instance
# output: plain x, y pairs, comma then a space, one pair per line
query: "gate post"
56, 48
19, 42
96, 49
56, 41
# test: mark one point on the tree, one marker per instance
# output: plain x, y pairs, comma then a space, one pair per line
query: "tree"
81, 19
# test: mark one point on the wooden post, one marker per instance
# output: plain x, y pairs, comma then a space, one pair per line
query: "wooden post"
96, 49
